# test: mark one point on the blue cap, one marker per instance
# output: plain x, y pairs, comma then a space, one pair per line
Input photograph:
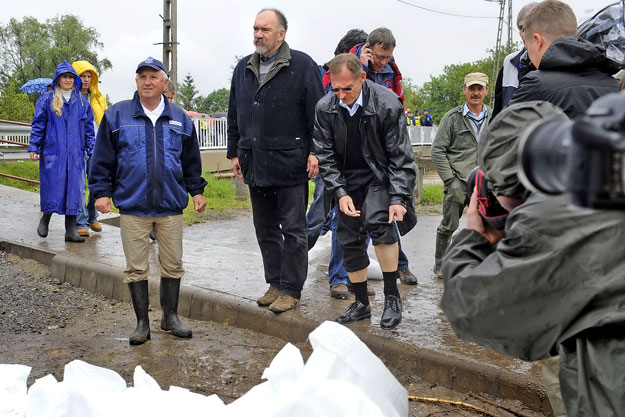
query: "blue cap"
152, 63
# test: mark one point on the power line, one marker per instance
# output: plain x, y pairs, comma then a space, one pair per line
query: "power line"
445, 13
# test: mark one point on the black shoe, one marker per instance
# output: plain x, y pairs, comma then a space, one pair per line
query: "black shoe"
356, 311
392, 312
170, 292
140, 303
42, 230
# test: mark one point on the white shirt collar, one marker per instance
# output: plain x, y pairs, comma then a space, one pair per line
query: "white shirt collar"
466, 110
352, 110
156, 113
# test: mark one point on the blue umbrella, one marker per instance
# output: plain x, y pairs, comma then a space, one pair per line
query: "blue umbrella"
38, 85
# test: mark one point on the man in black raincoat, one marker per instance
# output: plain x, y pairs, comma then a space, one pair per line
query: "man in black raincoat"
572, 72
552, 283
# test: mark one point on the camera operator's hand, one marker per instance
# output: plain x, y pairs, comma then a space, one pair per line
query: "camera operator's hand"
346, 205
475, 222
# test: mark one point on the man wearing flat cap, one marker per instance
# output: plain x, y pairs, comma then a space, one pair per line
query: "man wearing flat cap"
147, 159
454, 153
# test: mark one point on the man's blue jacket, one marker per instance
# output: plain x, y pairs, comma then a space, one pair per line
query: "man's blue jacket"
147, 169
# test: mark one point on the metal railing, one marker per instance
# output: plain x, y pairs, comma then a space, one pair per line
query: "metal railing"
421, 135
212, 133
14, 134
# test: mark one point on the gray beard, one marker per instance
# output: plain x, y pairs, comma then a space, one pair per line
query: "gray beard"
263, 49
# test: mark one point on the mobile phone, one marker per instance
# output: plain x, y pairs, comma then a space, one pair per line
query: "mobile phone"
370, 62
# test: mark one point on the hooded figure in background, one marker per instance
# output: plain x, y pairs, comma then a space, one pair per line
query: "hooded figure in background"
97, 99
551, 283
62, 131
88, 218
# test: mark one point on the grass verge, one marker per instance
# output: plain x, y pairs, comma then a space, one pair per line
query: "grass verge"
432, 194
25, 169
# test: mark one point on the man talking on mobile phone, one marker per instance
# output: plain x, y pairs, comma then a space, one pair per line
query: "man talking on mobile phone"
377, 60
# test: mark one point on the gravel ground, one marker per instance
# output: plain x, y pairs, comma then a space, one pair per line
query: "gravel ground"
55, 323
29, 305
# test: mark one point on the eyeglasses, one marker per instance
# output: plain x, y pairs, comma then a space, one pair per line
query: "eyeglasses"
383, 58
337, 89
520, 27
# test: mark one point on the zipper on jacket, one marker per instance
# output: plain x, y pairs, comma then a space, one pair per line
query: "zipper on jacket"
154, 174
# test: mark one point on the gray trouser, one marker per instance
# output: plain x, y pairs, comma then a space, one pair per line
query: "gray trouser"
454, 202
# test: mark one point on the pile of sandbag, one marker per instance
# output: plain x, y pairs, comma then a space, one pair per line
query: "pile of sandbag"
342, 378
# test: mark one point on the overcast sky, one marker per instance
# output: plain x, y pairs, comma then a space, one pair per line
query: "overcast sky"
211, 33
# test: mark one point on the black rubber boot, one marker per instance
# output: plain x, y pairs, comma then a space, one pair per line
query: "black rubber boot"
442, 241
140, 302
70, 230
42, 230
170, 291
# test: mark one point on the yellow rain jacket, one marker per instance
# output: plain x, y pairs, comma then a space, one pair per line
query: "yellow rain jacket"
98, 100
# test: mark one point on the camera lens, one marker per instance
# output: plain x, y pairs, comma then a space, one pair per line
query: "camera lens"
544, 156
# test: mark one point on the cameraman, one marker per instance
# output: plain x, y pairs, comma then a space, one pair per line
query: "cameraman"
551, 283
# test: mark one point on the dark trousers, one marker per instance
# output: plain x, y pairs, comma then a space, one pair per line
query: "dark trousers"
373, 201
280, 222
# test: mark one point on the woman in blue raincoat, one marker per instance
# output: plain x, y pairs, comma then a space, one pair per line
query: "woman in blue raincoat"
62, 131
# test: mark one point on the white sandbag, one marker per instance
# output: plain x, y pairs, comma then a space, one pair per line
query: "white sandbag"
13, 391
282, 384
142, 381
46, 398
193, 404
331, 398
338, 354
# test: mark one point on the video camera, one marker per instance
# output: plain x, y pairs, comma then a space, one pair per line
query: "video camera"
489, 208
583, 157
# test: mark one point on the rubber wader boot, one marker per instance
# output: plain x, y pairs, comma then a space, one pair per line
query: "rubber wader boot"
170, 290
70, 230
42, 230
442, 241
140, 302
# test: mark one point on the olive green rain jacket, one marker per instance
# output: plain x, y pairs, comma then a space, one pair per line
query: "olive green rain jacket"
555, 284
454, 149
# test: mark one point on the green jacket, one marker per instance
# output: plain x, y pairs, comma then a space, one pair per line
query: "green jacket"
454, 149
554, 284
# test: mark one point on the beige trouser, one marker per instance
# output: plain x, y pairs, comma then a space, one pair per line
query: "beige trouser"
135, 231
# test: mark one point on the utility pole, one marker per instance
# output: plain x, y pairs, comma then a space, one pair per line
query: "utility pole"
497, 56
170, 39
509, 44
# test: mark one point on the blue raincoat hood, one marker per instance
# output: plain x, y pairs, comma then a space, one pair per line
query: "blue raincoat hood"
63, 68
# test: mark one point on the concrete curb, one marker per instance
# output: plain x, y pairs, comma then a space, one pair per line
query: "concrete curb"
201, 304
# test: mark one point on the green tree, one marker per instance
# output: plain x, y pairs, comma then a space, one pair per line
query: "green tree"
31, 49
14, 104
187, 93
412, 98
216, 101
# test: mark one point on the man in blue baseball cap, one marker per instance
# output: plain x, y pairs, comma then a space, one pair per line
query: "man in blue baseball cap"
147, 159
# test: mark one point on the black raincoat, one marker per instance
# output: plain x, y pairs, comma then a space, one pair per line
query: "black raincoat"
573, 73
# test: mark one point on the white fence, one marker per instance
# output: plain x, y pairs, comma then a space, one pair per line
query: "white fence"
212, 133
421, 135
15, 132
